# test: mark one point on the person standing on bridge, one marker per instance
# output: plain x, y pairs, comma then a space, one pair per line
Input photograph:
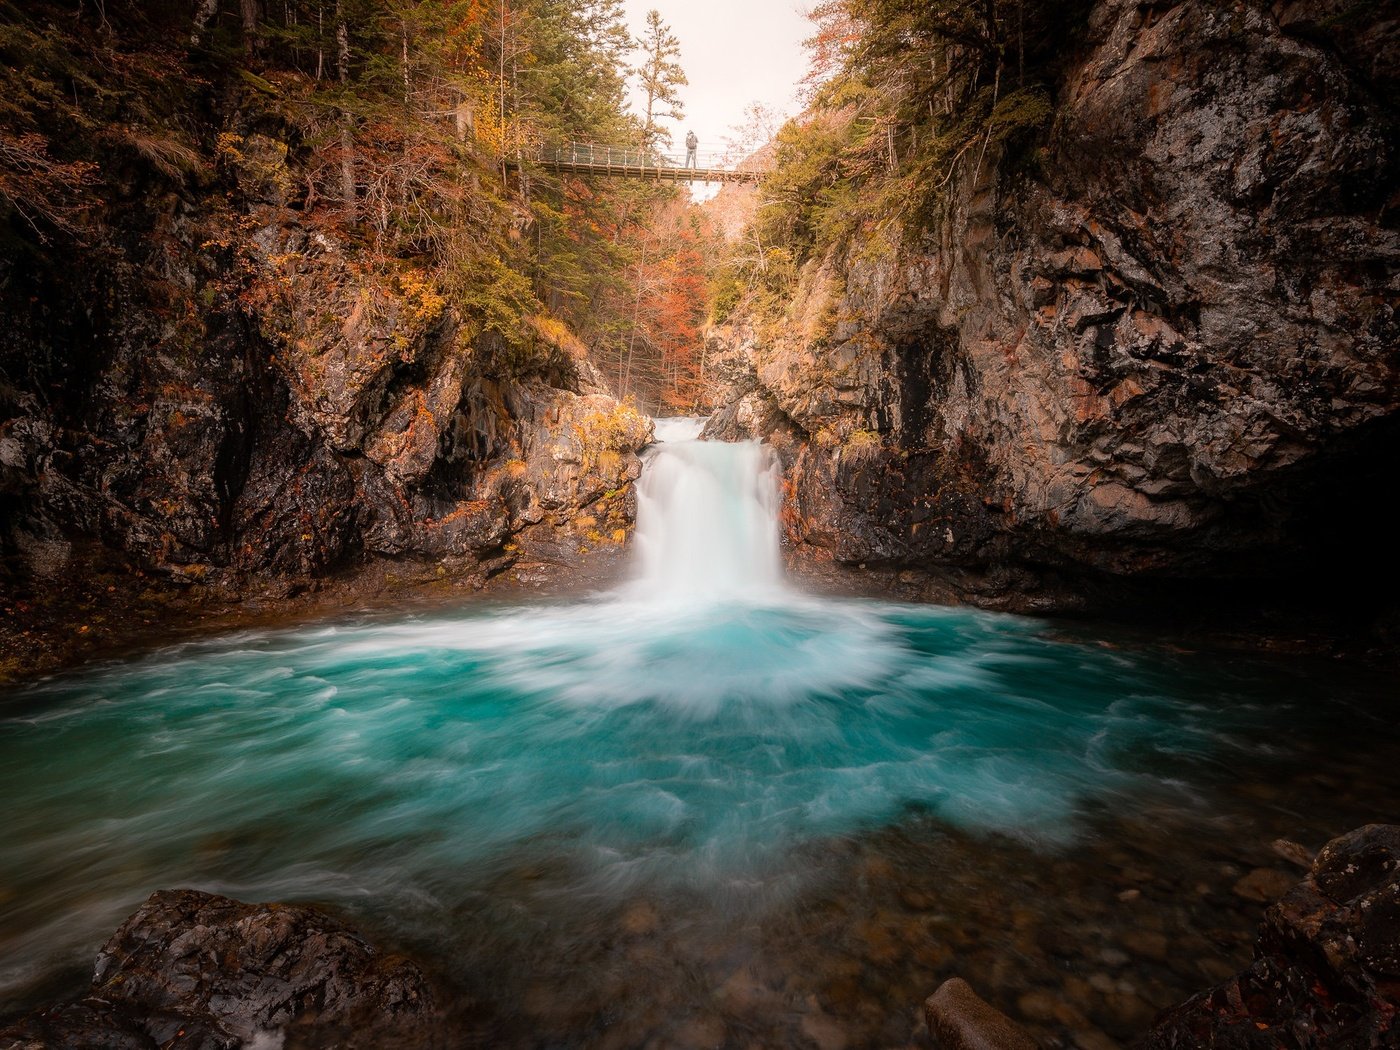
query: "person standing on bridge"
690, 143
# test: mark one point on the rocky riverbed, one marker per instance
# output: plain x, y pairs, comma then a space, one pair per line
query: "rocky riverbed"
209, 972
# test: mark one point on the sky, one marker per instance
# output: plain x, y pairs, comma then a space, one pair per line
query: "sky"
733, 52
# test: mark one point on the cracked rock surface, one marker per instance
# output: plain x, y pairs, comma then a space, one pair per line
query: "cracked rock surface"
196, 970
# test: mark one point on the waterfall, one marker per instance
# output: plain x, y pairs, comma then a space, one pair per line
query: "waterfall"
707, 518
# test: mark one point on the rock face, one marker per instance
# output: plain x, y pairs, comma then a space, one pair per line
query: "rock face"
221, 384
1168, 349
314, 418
1327, 962
196, 970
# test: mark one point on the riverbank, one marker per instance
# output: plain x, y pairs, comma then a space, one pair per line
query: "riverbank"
106, 608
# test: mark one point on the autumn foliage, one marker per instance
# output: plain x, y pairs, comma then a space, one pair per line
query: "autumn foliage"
403, 131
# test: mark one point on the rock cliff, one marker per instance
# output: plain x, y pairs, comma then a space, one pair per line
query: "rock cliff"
1159, 350
224, 385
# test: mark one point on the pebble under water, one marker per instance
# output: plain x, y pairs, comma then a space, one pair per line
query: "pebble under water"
724, 814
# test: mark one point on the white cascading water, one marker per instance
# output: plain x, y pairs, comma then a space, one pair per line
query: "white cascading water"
707, 517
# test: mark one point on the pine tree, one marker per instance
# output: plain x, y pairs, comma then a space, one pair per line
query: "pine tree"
661, 78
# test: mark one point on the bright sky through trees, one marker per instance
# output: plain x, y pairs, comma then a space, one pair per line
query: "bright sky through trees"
733, 52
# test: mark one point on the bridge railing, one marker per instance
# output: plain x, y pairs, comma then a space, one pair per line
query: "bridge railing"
605, 156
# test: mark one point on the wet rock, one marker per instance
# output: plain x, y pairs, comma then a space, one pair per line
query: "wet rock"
1327, 962
1038, 1006
1114, 957
640, 919
698, 1033
1093, 1039
1145, 944
1102, 983
744, 992
1293, 851
823, 1030
1263, 884
198, 970
1124, 1014
959, 1019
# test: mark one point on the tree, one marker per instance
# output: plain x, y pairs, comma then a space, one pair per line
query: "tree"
661, 77
759, 127
836, 33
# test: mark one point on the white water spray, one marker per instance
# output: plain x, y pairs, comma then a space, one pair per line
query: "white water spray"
707, 518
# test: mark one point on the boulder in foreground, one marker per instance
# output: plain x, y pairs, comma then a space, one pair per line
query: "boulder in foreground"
196, 970
959, 1019
1327, 962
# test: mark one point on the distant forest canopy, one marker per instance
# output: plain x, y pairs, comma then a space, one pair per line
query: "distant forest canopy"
383, 124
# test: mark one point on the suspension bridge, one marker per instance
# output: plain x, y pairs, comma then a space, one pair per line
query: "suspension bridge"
623, 162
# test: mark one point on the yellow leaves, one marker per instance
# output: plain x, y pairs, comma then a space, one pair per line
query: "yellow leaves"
861, 445
615, 431
226, 147
425, 302
555, 333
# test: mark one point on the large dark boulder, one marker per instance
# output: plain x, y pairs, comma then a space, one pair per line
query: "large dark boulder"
196, 970
1327, 963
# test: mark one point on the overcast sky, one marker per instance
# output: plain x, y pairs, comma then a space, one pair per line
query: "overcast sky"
734, 52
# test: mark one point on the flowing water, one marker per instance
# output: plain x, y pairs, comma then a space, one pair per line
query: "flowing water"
700, 810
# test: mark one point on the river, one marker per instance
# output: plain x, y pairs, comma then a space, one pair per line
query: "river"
702, 808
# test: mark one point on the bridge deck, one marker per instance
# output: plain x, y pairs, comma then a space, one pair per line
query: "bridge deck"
651, 171
624, 162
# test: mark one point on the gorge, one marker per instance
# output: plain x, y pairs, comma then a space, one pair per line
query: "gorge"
1002, 590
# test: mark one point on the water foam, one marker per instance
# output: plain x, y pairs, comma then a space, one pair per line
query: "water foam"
707, 523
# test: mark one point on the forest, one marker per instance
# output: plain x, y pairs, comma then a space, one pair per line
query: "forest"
404, 130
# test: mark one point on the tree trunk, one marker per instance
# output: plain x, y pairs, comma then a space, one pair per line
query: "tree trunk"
203, 14
251, 11
347, 129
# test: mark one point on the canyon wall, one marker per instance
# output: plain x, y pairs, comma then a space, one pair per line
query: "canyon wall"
222, 390
1159, 352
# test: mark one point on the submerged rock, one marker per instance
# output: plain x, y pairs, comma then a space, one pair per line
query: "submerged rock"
193, 969
959, 1019
1327, 962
